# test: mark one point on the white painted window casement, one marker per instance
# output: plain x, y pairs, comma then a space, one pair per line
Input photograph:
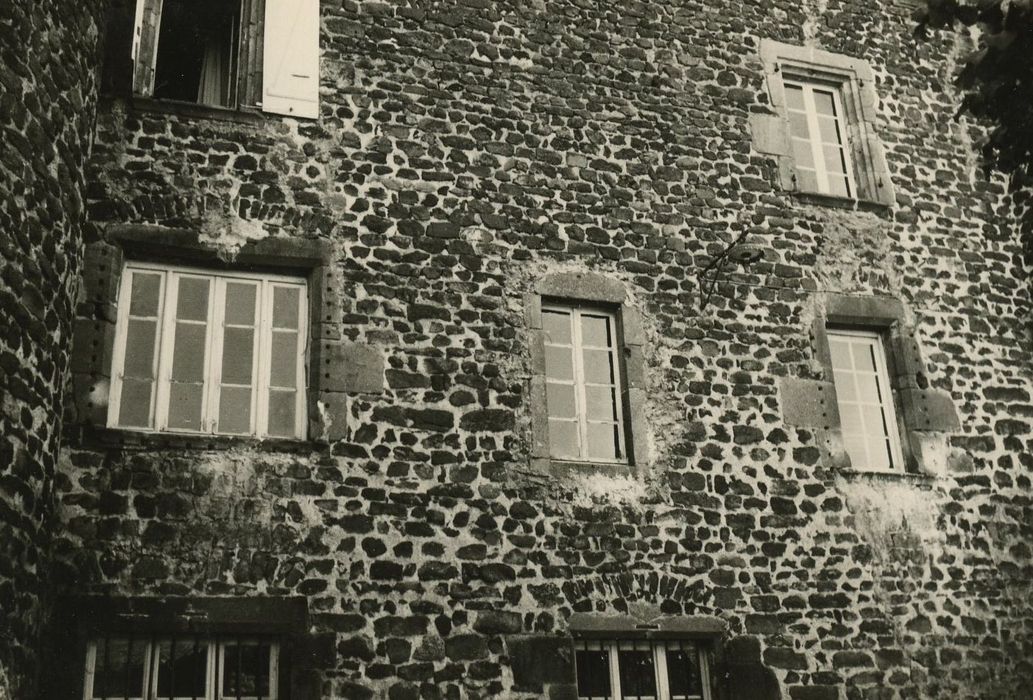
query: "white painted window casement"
817, 128
145, 668
641, 670
584, 383
229, 53
866, 408
206, 352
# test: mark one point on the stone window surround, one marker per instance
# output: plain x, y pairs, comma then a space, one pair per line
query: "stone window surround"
343, 367
924, 415
770, 130
595, 288
286, 618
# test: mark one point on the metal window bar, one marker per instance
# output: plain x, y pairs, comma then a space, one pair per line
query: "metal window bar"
129, 665
694, 673
240, 660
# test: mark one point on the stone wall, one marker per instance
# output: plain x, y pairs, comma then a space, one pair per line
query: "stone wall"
48, 75
467, 149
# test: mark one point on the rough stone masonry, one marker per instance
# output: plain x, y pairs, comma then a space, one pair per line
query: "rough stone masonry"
467, 150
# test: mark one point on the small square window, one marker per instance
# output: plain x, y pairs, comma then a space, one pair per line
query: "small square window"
621, 669
864, 395
584, 383
204, 352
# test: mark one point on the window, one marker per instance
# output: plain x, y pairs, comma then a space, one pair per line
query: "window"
865, 399
191, 667
641, 670
583, 383
204, 352
817, 129
229, 53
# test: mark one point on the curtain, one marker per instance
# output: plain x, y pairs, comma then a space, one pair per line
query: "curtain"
212, 88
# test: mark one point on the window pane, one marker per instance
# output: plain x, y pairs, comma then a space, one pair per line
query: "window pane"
823, 102
855, 447
285, 307
559, 363
188, 353
850, 417
185, 406
560, 400
864, 356
596, 331
240, 303
557, 327
192, 304
879, 454
145, 294
838, 186
284, 360
829, 129
798, 126
135, 407
601, 403
803, 156
684, 677
563, 439
118, 669
869, 388
245, 670
840, 354
603, 441
806, 180
794, 97
237, 349
599, 367
139, 362
845, 386
281, 413
873, 420
593, 673
834, 163
182, 668
235, 409
638, 677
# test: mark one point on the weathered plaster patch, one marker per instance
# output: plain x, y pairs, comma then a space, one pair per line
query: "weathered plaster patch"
598, 489
227, 233
885, 510
855, 254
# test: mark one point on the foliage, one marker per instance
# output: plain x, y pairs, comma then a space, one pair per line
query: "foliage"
997, 78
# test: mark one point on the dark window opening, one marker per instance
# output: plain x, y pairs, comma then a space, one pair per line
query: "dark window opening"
197, 51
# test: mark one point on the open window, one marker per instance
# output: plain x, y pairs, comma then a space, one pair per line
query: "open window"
229, 53
618, 669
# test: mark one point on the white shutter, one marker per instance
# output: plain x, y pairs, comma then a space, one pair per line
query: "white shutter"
146, 26
291, 64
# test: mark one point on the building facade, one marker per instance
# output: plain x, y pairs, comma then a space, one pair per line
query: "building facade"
479, 349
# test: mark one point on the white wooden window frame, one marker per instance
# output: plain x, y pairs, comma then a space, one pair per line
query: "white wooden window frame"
576, 310
216, 650
875, 342
658, 649
817, 145
165, 341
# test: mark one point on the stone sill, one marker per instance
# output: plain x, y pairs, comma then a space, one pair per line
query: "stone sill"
136, 440
892, 477
193, 110
828, 200
566, 468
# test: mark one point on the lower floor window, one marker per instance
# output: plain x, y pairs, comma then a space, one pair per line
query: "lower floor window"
641, 670
195, 668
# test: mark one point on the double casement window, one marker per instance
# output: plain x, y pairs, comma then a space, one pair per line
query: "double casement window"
186, 668
817, 128
863, 392
641, 670
229, 53
584, 383
198, 351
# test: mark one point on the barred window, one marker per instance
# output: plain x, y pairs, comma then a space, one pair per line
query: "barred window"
641, 670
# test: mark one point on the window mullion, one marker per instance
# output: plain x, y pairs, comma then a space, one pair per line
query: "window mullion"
617, 381
213, 369
274, 670
167, 343
580, 399
889, 412
301, 395
118, 361
663, 691
845, 144
263, 360
615, 674
820, 169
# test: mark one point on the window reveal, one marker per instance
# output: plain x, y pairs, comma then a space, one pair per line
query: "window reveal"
209, 352
641, 670
583, 384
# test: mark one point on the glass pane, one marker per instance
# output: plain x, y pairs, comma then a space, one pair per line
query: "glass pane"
557, 327
869, 388
638, 677
245, 670
845, 390
879, 454
683, 673
188, 353
850, 417
829, 129
596, 331
284, 360
240, 303
823, 102
135, 408
593, 674
193, 299
864, 356
794, 97
559, 363
873, 421
834, 163
281, 413
563, 439
285, 307
599, 367
798, 126
139, 360
182, 668
838, 186
118, 670
237, 349
806, 180
803, 156
145, 294
560, 400
855, 447
235, 409
185, 406
603, 442
840, 354
600, 403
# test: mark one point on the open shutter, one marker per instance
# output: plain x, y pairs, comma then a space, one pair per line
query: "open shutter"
145, 44
291, 65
